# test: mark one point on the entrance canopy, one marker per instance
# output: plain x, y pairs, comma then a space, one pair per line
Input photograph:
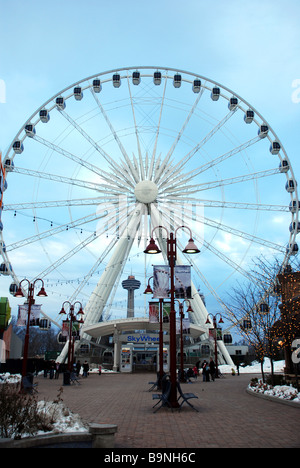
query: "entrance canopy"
122, 325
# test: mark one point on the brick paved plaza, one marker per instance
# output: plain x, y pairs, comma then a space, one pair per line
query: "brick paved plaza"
228, 417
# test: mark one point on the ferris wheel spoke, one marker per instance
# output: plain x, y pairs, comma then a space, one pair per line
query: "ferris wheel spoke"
132, 175
225, 156
67, 256
110, 125
235, 266
91, 238
113, 164
204, 203
66, 180
221, 183
55, 203
104, 175
199, 309
56, 230
188, 214
207, 284
243, 235
82, 284
197, 171
141, 165
152, 163
180, 165
166, 161
93, 270
101, 293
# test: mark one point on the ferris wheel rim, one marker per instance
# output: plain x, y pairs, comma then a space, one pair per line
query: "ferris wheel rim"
294, 196
176, 70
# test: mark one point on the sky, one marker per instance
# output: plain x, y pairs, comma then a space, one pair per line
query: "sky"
252, 48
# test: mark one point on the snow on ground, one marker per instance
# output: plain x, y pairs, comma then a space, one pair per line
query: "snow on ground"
255, 367
284, 392
65, 420
10, 378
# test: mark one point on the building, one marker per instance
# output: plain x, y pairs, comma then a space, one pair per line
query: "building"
136, 341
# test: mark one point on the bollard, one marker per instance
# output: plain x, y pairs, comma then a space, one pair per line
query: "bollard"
103, 435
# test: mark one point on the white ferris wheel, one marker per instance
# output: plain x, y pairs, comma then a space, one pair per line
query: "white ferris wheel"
105, 160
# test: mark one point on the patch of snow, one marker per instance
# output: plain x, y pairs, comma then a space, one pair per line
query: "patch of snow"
255, 367
10, 378
285, 392
64, 420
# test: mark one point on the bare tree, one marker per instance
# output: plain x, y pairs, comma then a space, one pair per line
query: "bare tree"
40, 341
253, 309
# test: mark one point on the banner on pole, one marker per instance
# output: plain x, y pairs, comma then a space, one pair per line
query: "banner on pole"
161, 282
215, 334
183, 287
154, 312
34, 315
65, 331
166, 312
186, 325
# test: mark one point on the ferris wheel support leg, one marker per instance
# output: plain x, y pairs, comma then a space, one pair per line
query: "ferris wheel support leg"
200, 312
99, 297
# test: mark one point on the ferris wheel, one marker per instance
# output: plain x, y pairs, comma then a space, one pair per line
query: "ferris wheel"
105, 160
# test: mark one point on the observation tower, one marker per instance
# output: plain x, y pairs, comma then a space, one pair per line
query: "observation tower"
131, 284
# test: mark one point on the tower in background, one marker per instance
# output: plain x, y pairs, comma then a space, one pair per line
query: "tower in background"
131, 284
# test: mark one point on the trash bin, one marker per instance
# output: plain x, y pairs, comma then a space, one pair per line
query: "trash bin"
66, 380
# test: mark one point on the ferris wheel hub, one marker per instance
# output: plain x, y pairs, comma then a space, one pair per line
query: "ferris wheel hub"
146, 191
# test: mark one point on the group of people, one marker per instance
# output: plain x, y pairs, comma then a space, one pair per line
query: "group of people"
85, 368
208, 370
55, 368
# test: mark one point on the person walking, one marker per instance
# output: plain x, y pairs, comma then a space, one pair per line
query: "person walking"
52, 369
204, 365
57, 369
78, 367
207, 372
86, 369
212, 370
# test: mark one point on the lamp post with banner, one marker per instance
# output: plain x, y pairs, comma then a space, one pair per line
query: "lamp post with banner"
191, 248
149, 290
208, 322
181, 313
71, 319
31, 301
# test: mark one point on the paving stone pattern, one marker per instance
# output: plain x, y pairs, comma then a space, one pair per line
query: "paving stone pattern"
228, 417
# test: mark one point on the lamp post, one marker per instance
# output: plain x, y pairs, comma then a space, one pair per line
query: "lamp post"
182, 378
172, 256
148, 290
214, 317
72, 317
30, 299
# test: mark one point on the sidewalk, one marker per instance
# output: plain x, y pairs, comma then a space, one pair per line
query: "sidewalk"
228, 417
